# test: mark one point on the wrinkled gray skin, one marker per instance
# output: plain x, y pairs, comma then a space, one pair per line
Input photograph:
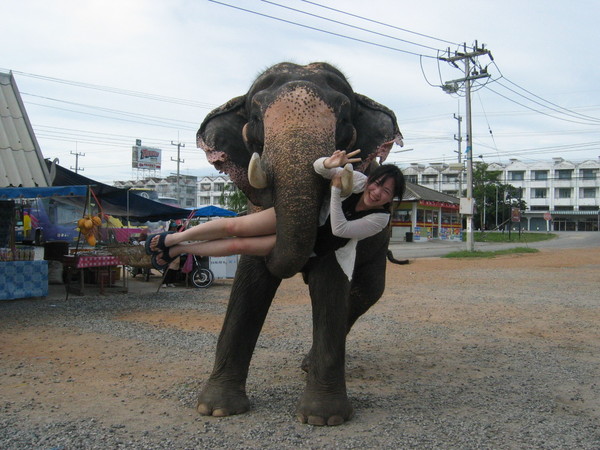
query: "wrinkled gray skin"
291, 116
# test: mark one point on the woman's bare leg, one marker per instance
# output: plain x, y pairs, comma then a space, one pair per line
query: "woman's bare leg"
256, 246
257, 224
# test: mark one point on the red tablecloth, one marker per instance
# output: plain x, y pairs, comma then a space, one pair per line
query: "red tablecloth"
81, 261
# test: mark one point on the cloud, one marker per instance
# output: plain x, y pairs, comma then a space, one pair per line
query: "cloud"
208, 53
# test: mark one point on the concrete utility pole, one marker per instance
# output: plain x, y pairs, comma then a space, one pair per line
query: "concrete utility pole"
77, 155
467, 207
179, 145
458, 139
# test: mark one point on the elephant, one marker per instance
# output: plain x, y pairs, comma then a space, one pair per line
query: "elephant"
291, 116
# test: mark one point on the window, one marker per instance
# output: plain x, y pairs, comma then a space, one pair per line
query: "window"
219, 187
516, 175
540, 175
564, 174
429, 179
588, 192
563, 193
204, 201
412, 179
540, 192
205, 186
539, 207
450, 178
588, 174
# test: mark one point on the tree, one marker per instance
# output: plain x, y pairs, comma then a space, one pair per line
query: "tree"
237, 201
493, 199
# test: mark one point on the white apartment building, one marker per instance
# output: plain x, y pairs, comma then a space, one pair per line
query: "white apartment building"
566, 192
212, 189
167, 189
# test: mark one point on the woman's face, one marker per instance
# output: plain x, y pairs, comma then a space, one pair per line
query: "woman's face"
378, 193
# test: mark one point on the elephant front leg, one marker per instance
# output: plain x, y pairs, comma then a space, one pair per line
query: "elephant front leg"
251, 295
325, 400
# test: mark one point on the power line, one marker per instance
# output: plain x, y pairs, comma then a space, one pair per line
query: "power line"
558, 109
537, 110
381, 23
156, 123
348, 25
164, 120
120, 91
321, 30
584, 116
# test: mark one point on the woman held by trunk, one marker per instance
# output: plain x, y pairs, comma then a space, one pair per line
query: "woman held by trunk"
342, 220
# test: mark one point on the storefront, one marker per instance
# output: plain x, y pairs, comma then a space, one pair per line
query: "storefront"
426, 214
562, 221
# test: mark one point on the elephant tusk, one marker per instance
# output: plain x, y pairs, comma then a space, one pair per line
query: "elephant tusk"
347, 180
374, 165
256, 174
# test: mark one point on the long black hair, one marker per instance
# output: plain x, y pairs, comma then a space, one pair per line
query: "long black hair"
385, 171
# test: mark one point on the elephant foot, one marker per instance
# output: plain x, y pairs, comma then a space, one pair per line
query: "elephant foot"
321, 410
305, 364
220, 401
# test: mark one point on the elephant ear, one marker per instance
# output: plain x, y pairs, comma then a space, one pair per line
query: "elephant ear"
220, 136
376, 130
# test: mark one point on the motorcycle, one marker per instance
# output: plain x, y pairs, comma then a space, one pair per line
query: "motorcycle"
201, 275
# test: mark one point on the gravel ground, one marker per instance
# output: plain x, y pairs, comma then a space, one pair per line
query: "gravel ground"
499, 353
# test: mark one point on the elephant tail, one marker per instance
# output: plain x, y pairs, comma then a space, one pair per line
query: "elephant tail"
390, 257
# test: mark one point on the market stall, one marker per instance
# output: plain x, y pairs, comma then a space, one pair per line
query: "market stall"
20, 275
103, 267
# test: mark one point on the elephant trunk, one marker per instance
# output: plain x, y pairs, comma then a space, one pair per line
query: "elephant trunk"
298, 195
291, 147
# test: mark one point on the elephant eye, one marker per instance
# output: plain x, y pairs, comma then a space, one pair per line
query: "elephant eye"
345, 136
254, 135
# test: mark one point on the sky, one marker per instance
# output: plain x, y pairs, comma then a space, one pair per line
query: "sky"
97, 75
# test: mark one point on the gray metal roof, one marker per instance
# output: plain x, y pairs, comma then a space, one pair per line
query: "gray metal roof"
416, 192
21, 160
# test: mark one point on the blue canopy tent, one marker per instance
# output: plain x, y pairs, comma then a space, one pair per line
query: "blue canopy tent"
11, 193
213, 211
118, 202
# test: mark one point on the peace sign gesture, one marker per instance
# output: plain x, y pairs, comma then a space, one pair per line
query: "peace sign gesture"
340, 158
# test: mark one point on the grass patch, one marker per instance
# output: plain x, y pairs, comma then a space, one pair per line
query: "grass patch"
489, 254
514, 237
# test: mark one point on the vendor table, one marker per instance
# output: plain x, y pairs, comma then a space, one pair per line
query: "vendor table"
107, 262
22, 279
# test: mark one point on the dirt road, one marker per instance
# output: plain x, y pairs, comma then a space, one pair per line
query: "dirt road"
497, 353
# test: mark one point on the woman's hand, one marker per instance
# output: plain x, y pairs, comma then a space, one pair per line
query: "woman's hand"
340, 158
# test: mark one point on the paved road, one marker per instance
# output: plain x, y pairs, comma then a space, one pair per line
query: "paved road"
564, 239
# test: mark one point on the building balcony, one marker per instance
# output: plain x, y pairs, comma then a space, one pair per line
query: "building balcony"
564, 201
538, 201
588, 201
563, 183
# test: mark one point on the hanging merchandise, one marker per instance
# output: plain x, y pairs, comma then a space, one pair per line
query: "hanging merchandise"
89, 227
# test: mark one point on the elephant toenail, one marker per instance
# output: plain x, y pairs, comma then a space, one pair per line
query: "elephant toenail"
335, 420
316, 420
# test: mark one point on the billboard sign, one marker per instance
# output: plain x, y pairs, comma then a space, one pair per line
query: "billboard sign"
515, 214
143, 157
